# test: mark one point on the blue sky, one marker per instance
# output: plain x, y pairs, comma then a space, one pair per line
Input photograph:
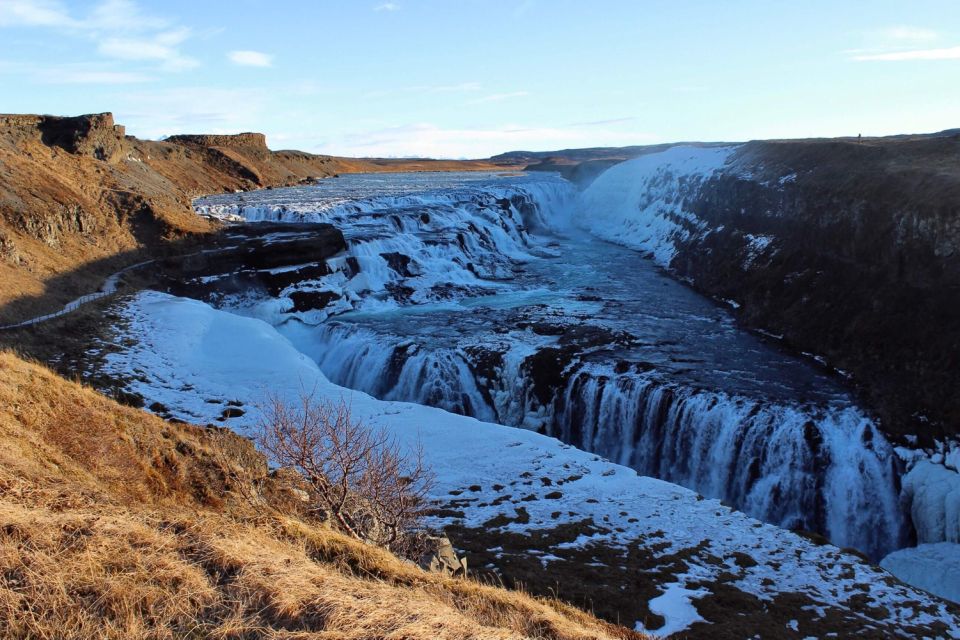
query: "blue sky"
470, 78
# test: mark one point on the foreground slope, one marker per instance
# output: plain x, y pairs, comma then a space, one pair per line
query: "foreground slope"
536, 511
116, 524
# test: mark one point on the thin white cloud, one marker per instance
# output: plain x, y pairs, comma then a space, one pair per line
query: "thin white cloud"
162, 48
464, 87
72, 73
387, 6
251, 58
604, 123
499, 97
80, 76
428, 140
908, 33
947, 53
451, 88
34, 13
122, 16
119, 29
901, 42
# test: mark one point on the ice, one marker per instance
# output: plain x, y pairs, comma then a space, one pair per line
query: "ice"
639, 202
932, 494
934, 567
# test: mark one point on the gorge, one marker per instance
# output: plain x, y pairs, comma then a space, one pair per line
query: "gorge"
484, 295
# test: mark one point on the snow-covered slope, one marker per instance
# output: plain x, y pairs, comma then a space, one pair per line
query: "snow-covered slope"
641, 203
193, 360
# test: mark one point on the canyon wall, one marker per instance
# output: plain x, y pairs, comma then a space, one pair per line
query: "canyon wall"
844, 250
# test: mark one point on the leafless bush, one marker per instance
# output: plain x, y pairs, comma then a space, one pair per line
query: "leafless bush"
361, 479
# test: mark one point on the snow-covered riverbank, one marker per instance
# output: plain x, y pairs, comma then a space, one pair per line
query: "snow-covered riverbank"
194, 360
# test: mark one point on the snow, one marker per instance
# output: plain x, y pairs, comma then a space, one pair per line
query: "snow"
640, 203
194, 359
932, 492
676, 607
934, 567
756, 245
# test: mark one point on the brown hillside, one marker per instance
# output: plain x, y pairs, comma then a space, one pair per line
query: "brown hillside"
80, 199
116, 524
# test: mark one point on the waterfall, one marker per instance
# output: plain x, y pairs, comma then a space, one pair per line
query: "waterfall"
822, 469
414, 258
392, 370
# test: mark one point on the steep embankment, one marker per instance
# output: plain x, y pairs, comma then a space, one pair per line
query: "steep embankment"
848, 251
80, 199
116, 524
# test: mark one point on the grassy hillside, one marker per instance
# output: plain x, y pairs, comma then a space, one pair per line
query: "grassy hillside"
116, 524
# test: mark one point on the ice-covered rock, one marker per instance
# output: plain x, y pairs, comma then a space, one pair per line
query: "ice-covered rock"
934, 567
641, 203
932, 494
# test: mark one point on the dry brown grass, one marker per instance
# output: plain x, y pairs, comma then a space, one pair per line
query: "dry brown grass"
116, 524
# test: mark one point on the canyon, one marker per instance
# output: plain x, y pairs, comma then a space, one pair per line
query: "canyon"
771, 325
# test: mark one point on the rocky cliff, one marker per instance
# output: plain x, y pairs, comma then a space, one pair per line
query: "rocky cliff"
846, 250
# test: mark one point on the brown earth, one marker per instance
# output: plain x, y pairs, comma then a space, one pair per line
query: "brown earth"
117, 524
79, 199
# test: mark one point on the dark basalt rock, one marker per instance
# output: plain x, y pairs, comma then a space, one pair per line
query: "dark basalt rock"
311, 300
398, 262
864, 270
244, 256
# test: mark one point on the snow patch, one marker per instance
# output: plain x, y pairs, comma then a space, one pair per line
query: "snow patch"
676, 607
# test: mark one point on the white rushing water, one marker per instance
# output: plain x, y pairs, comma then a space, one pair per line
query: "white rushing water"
475, 294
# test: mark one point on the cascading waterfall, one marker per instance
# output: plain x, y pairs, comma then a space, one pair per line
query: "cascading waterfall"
821, 469
362, 360
810, 465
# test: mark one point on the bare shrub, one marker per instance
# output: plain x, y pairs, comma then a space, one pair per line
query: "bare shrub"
361, 479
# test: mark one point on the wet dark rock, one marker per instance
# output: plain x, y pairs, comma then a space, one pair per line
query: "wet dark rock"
398, 262
865, 269
311, 300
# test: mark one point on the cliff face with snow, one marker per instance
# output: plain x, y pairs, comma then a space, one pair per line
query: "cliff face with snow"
848, 251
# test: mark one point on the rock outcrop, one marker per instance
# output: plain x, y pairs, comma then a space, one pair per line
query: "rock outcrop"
93, 135
246, 140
